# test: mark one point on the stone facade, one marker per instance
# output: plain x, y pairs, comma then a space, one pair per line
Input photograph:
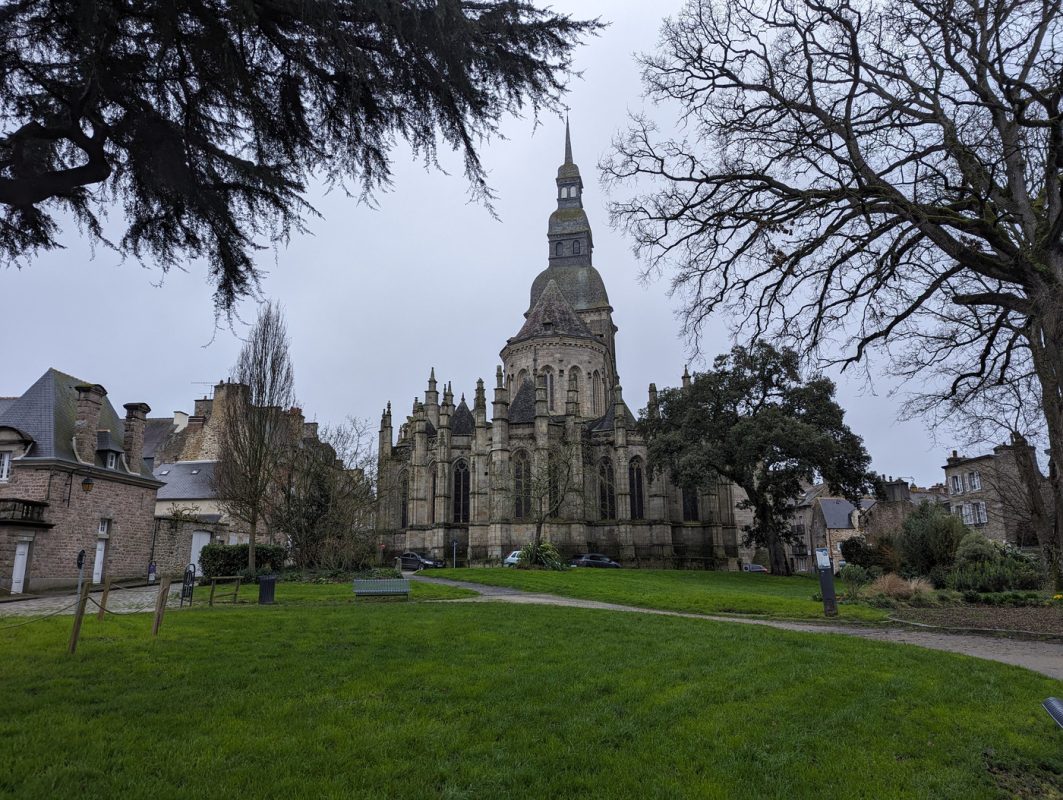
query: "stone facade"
560, 446
987, 493
69, 486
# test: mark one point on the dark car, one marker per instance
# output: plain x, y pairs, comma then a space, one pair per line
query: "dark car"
753, 568
593, 560
415, 561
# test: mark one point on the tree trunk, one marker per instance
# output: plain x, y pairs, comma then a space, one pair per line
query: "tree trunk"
251, 547
777, 554
1046, 348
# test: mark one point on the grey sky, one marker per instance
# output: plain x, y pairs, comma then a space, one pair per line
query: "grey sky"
376, 297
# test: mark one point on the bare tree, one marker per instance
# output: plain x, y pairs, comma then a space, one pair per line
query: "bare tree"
885, 175
256, 434
326, 506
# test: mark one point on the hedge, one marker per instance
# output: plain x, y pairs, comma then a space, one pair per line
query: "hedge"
231, 559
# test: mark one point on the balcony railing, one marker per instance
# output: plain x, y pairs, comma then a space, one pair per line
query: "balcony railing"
22, 511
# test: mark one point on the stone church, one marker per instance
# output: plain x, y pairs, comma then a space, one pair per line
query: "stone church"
560, 448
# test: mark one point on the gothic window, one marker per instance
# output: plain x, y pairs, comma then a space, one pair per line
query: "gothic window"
575, 248
549, 375
690, 504
521, 485
461, 492
432, 495
553, 466
596, 393
635, 488
404, 499
559, 249
606, 490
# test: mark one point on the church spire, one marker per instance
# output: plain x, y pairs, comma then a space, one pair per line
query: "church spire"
568, 143
569, 232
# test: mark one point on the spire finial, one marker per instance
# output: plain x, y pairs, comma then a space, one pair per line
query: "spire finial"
568, 142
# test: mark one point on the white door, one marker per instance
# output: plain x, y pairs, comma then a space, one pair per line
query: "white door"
200, 539
22, 557
97, 567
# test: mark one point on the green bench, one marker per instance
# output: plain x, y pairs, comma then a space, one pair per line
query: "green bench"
381, 587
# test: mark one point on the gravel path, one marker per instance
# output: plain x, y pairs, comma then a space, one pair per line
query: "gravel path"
1040, 656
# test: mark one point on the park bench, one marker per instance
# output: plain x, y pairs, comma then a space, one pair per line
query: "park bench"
381, 587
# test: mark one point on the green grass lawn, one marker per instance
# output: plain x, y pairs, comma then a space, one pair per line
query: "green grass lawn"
436, 700
705, 592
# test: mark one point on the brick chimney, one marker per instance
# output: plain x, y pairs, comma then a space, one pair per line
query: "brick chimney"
87, 420
133, 441
897, 491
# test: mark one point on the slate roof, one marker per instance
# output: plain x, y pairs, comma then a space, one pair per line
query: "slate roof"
608, 422
156, 432
552, 315
462, 423
837, 512
581, 285
522, 407
47, 411
186, 480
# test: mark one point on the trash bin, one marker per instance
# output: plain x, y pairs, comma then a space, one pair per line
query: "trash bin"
267, 588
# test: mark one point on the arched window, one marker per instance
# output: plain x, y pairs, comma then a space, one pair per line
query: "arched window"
404, 499
521, 485
548, 373
606, 490
575, 248
635, 484
597, 395
521, 377
461, 492
690, 504
559, 249
432, 495
574, 378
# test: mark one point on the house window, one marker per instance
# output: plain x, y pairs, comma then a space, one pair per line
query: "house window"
974, 481
105, 528
461, 492
690, 504
957, 484
978, 513
634, 480
606, 489
521, 485
5, 465
112, 460
968, 514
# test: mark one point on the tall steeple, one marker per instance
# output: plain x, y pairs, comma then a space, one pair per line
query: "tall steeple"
569, 233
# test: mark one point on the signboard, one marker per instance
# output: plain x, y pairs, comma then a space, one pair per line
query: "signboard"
188, 585
822, 558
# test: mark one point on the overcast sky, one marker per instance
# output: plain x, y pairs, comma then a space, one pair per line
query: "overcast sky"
376, 297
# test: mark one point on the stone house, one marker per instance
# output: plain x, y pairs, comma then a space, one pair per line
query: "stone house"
182, 452
72, 478
987, 493
453, 475
886, 515
832, 520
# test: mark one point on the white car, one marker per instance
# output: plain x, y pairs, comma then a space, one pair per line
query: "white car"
512, 559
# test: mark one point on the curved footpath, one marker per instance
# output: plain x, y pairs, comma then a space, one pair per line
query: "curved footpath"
1045, 657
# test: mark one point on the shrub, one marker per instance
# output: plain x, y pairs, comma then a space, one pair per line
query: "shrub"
545, 555
880, 556
231, 559
996, 576
976, 549
898, 588
855, 578
929, 539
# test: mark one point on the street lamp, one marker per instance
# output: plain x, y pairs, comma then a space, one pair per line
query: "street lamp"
87, 484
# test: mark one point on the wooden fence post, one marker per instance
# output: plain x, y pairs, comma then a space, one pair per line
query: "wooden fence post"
103, 599
79, 614
160, 605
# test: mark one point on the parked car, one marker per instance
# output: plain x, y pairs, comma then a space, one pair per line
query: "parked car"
512, 559
753, 568
415, 561
593, 560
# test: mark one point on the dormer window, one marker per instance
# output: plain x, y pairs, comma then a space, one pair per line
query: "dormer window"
5, 465
112, 461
